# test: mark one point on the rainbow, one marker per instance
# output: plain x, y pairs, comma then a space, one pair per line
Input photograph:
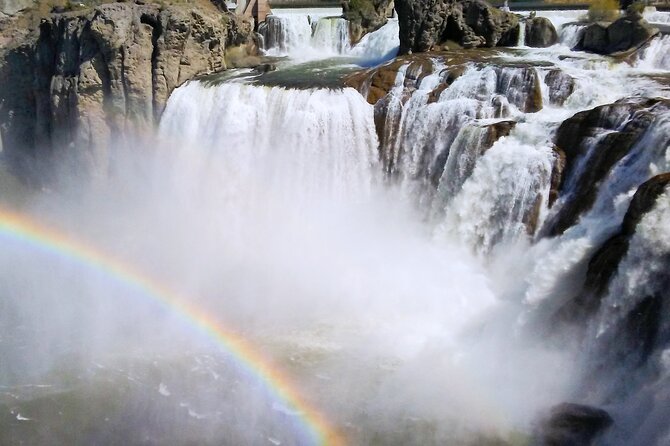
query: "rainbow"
17, 227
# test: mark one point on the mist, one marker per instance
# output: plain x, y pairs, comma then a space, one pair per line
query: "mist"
280, 228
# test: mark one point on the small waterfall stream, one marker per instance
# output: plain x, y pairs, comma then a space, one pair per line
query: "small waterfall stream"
322, 33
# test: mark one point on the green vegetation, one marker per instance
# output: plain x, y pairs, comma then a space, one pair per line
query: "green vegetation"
603, 10
636, 7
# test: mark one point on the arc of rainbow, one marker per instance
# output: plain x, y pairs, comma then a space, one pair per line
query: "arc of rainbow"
19, 227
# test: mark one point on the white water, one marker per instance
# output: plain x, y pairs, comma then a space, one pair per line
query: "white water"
656, 56
321, 33
294, 177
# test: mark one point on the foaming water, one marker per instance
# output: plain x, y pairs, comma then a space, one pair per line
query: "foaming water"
656, 56
322, 33
390, 260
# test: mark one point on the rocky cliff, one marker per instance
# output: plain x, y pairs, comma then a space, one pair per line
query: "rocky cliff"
428, 24
80, 82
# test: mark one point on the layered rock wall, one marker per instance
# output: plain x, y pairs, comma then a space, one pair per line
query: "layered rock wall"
83, 81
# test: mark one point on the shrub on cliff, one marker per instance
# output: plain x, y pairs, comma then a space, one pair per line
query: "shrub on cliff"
603, 10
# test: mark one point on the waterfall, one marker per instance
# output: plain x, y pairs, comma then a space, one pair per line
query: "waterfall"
331, 34
569, 35
489, 239
286, 34
324, 139
656, 56
380, 45
317, 34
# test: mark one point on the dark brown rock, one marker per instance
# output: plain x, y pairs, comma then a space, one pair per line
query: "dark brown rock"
540, 33
573, 424
427, 24
626, 121
561, 85
628, 32
605, 261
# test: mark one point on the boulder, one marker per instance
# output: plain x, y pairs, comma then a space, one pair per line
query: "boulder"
366, 16
425, 25
540, 33
573, 424
627, 33
605, 261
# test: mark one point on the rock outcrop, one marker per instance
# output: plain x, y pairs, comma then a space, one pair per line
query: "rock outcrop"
12, 7
589, 156
366, 16
573, 424
428, 24
604, 263
627, 33
540, 33
84, 79
561, 85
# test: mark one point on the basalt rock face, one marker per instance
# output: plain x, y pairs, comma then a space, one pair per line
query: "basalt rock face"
624, 34
366, 16
83, 80
427, 24
593, 142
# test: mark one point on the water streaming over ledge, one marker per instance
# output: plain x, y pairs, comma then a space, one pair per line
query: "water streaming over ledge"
317, 34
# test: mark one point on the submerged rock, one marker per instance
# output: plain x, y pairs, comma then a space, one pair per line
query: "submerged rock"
573, 424
540, 33
425, 25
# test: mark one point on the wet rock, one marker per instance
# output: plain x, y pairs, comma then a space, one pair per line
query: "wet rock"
265, 68
624, 34
556, 174
561, 85
540, 33
496, 131
521, 85
11, 7
573, 425
470, 23
605, 261
622, 124
366, 16
93, 75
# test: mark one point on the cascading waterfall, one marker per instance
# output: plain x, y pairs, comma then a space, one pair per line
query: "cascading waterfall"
397, 259
656, 56
332, 35
326, 138
321, 33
